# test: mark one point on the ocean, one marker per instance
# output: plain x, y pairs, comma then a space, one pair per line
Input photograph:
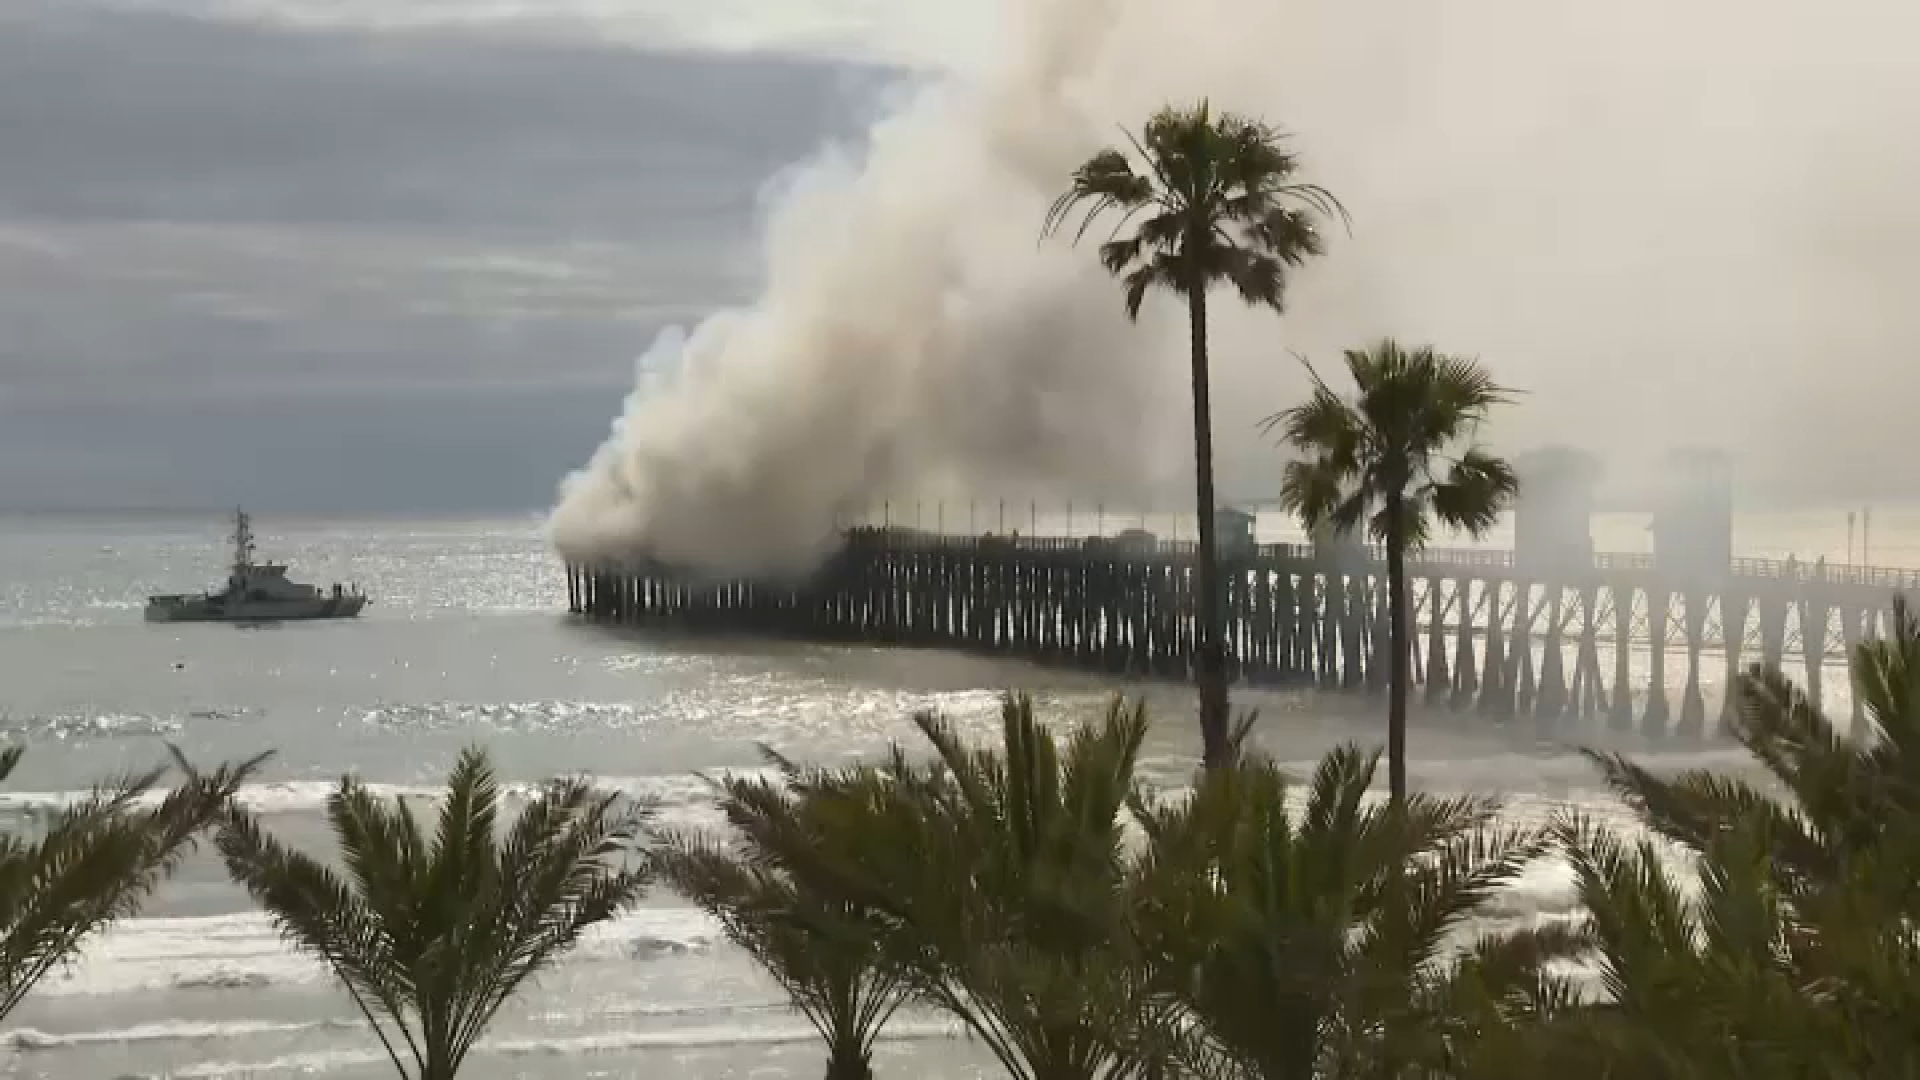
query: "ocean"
467, 641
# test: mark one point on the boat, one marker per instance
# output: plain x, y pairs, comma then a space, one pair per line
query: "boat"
256, 592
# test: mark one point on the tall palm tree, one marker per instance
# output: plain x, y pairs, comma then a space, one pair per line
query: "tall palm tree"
1218, 203
1002, 874
824, 947
1398, 457
431, 934
1299, 942
95, 861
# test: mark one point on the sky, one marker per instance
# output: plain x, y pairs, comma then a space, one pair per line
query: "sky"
379, 256
403, 255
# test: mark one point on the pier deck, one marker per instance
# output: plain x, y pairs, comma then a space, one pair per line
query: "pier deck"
1492, 634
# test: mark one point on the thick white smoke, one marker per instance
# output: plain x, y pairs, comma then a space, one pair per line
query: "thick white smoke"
1667, 224
913, 338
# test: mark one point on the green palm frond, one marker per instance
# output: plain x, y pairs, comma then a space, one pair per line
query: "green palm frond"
1887, 680
776, 897
1000, 877
1797, 952
1849, 803
1314, 941
1212, 198
1694, 807
431, 935
1329, 426
96, 861
1473, 492
1396, 457
1730, 981
1390, 444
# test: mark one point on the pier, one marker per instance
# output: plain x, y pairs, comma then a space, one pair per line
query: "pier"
1515, 641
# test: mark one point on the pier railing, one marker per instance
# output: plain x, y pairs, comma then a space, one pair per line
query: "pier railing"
1505, 636
1427, 560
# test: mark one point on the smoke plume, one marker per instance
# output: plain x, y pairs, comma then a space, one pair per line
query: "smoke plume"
1668, 224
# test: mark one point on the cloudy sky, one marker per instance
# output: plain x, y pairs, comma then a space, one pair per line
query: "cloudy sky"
388, 255
376, 257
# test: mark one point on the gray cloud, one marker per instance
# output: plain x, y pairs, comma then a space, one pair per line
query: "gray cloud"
204, 219
115, 115
429, 450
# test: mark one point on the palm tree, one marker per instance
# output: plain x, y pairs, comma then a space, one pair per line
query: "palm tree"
1738, 978
96, 861
1805, 943
431, 934
1218, 204
1001, 873
826, 949
1398, 457
1299, 943
1853, 801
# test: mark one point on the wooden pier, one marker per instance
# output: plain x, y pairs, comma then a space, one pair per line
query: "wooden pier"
1513, 642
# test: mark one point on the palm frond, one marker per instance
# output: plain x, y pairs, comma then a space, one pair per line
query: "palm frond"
1378, 449
1107, 181
775, 897
1217, 204
1477, 489
1696, 806
431, 937
999, 873
96, 861
1324, 426
1311, 942
1887, 680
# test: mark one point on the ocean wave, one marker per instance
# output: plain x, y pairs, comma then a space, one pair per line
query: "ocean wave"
672, 1009
246, 951
684, 791
63, 727
31, 1039
514, 716
571, 1046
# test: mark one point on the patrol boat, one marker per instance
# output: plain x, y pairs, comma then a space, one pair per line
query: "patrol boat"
256, 592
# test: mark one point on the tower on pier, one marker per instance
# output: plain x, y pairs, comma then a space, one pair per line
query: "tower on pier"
1553, 515
1693, 522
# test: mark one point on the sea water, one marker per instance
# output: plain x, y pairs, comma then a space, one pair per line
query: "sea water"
466, 642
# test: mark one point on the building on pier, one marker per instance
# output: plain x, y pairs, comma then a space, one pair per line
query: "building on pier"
1233, 530
1693, 522
1553, 515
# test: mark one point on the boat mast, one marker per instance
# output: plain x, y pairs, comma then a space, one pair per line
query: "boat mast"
242, 543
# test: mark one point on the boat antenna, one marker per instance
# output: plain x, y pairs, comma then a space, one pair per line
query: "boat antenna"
242, 542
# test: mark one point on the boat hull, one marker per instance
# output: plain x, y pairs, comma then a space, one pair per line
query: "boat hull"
205, 609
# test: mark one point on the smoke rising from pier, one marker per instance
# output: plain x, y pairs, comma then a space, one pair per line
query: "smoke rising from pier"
1666, 224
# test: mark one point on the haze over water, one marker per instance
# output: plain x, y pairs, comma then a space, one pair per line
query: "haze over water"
467, 641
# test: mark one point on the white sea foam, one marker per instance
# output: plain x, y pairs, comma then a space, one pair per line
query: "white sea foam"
246, 951
667, 793
35, 1040
572, 1046
30, 1039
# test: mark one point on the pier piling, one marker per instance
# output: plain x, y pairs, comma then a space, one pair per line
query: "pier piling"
1496, 641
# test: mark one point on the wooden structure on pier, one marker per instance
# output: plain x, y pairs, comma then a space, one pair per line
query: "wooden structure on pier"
1513, 641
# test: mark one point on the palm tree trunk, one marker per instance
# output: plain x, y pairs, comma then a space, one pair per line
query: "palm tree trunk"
1398, 640
848, 1063
1210, 668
